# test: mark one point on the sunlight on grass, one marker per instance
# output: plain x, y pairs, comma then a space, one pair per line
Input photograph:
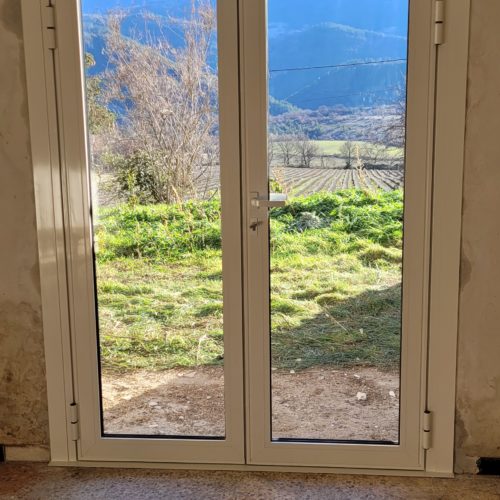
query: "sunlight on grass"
335, 288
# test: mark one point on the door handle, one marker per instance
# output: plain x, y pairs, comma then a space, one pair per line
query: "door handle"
274, 200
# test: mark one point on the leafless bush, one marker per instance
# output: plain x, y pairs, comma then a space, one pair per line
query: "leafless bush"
286, 150
394, 132
306, 151
373, 153
168, 95
347, 151
271, 150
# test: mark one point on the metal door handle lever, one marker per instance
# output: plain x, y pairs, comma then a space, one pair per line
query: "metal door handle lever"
255, 224
274, 200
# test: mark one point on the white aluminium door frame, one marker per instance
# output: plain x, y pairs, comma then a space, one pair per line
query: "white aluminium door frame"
55, 97
409, 453
92, 445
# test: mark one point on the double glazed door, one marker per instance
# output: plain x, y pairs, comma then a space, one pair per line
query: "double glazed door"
247, 201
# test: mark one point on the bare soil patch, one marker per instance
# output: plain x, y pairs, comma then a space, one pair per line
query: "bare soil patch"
326, 403
317, 403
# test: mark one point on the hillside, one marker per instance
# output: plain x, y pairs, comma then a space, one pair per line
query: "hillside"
388, 16
309, 84
314, 59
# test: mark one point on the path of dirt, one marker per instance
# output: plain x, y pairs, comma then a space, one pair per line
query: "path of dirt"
318, 403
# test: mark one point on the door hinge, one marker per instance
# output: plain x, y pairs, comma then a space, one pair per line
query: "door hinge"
427, 431
49, 27
74, 421
439, 17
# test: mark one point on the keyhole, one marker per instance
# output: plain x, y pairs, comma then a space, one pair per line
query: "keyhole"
255, 224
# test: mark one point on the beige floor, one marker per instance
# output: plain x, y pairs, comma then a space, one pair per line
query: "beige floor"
33, 481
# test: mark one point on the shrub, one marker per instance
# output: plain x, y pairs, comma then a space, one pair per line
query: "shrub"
306, 220
356, 221
158, 231
135, 177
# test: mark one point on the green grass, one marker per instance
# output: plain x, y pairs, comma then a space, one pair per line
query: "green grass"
160, 315
335, 287
335, 148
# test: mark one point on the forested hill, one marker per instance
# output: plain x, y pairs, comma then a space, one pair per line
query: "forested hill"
331, 64
358, 45
387, 16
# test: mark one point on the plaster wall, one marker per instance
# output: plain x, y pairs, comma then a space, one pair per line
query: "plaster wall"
23, 403
478, 384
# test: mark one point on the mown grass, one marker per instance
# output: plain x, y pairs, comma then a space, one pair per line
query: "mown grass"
335, 148
335, 282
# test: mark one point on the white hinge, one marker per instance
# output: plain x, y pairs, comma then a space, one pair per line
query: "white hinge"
439, 23
427, 431
49, 27
74, 423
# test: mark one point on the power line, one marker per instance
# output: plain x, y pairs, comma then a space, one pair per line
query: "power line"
326, 93
336, 65
371, 92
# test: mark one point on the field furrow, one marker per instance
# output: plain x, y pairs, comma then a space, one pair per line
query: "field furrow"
306, 187
304, 181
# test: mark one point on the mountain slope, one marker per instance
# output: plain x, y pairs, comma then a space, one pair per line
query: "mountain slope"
389, 16
295, 59
296, 53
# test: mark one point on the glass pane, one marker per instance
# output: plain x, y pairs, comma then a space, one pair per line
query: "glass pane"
151, 80
337, 101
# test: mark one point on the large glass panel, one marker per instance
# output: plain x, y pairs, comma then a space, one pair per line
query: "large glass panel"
151, 81
337, 101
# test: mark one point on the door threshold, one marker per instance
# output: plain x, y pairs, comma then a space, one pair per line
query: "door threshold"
251, 468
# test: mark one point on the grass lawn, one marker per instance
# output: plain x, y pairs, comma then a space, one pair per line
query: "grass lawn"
335, 283
335, 148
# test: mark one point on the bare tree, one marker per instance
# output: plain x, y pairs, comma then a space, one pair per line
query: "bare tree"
394, 130
286, 150
99, 117
207, 176
395, 133
169, 97
306, 150
347, 151
271, 150
372, 153
385, 136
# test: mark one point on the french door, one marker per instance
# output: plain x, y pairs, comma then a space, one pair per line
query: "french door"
259, 297
283, 406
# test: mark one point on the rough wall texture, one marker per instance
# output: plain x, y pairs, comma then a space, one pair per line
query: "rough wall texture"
23, 412
478, 397
23, 402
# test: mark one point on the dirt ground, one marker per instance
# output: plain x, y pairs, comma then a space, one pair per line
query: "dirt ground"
317, 403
